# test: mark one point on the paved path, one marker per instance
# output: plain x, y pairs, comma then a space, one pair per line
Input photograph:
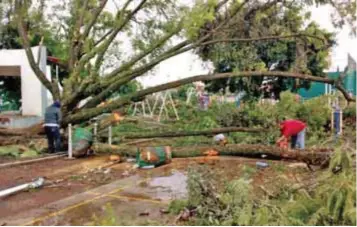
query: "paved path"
130, 197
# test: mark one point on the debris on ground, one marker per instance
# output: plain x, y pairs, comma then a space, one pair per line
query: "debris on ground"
149, 157
107, 171
261, 165
297, 165
184, 215
114, 158
211, 152
148, 167
10, 151
164, 211
125, 174
220, 139
145, 213
32, 185
130, 160
29, 154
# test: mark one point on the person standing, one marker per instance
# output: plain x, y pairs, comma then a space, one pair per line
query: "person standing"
52, 124
294, 129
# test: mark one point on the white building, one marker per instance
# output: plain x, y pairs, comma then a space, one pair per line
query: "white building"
34, 96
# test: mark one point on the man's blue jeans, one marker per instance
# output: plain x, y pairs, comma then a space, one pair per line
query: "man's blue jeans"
298, 141
53, 138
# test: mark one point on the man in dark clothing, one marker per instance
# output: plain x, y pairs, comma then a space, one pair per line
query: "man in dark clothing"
53, 119
294, 129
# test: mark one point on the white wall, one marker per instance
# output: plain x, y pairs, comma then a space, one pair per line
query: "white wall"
33, 93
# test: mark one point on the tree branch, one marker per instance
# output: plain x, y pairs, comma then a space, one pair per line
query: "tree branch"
94, 17
115, 84
86, 114
76, 40
145, 53
100, 50
112, 83
52, 87
261, 39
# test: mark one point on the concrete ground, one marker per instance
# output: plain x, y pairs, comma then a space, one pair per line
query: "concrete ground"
125, 196
131, 197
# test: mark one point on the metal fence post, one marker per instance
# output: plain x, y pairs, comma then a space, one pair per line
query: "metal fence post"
70, 152
110, 135
95, 131
341, 121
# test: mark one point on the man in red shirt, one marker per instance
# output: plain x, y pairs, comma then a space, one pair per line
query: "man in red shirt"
294, 129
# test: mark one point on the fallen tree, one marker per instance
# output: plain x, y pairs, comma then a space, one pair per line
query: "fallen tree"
208, 132
87, 50
315, 156
33, 130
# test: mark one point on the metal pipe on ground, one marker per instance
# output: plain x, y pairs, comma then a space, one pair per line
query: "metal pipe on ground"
35, 184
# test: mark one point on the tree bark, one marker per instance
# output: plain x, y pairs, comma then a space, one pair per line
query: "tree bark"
33, 131
208, 132
317, 156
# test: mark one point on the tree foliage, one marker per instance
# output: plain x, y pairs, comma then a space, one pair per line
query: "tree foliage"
299, 54
104, 47
330, 201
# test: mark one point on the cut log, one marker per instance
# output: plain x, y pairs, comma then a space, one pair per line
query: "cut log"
11, 140
316, 156
208, 132
28, 131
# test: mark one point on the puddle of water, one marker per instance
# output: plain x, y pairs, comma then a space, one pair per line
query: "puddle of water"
175, 184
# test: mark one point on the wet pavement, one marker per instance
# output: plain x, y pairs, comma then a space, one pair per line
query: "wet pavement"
128, 197
138, 198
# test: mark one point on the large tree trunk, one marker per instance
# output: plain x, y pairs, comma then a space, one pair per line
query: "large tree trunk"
318, 156
208, 132
33, 130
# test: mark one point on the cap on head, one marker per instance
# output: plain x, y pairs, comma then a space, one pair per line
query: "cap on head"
57, 104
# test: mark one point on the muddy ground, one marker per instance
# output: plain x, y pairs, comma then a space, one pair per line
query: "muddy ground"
65, 178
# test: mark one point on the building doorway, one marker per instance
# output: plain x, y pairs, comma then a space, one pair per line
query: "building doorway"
10, 89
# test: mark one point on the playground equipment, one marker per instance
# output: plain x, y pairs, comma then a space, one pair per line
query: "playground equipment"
166, 99
140, 107
190, 92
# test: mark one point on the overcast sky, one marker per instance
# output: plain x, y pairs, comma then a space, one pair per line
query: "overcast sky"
188, 64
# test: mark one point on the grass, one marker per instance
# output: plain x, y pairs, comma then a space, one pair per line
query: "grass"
176, 206
75, 177
248, 171
279, 167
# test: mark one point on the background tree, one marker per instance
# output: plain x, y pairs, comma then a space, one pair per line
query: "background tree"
105, 49
300, 54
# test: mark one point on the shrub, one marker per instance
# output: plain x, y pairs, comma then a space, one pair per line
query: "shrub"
315, 112
332, 201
